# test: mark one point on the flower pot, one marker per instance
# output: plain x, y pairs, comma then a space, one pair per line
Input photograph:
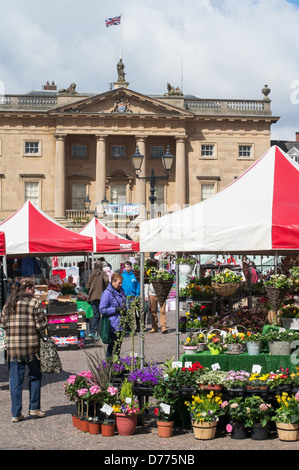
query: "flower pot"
126, 424
287, 432
190, 349
259, 432
210, 387
280, 348
204, 430
253, 348
186, 269
76, 421
108, 430
94, 427
165, 428
162, 289
234, 348
290, 323
239, 431
84, 425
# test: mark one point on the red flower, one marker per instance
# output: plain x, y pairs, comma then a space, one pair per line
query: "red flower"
156, 411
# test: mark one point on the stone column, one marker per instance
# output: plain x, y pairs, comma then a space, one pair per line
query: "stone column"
100, 177
140, 192
60, 177
180, 173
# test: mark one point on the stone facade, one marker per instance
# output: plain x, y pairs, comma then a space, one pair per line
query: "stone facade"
59, 146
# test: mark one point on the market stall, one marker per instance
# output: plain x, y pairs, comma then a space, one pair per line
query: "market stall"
29, 233
258, 213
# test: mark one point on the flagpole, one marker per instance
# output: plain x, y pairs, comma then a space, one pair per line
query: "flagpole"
121, 17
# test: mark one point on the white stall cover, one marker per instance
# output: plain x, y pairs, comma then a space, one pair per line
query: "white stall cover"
256, 213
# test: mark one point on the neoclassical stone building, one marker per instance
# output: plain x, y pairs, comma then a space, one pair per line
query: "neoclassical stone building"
59, 146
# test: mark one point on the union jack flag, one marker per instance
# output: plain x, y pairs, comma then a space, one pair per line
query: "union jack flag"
113, 21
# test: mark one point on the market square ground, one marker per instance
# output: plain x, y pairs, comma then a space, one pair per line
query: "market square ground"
56, 432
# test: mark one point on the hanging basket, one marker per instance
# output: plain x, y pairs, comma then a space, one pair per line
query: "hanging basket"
162, 289
275, 296
137, 275
225, 290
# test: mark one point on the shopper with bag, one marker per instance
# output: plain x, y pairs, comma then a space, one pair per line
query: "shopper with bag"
23, 320
113, 302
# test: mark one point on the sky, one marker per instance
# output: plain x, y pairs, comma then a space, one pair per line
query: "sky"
225, 49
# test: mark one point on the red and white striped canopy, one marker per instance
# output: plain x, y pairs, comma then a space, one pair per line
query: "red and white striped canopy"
30, 231
2, 244
106, 240
256, 213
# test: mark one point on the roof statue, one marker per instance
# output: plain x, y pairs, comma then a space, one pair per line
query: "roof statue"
71, 90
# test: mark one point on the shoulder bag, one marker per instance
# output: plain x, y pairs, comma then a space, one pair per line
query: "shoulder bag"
49, 359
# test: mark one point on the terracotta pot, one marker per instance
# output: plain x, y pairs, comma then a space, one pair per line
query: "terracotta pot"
165, 428
126, 424
210, 387
76, 421
287, 432
94, 427
108, 430
84, 425
204, 431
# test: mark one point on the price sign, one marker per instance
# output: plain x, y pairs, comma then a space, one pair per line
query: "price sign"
165, 408
256, 368
215, 366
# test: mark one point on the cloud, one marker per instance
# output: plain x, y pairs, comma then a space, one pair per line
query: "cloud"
212, 48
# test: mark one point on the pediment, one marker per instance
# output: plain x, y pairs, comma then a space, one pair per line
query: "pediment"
121, 101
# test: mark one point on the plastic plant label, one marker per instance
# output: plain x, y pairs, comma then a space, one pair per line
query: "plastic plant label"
107, 409
165, 408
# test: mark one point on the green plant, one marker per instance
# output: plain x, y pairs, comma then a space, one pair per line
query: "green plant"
227, 276
290, 311
253, 337
186, 259
212, 377
235, 409
288, 411
257, 411
234, 337
280, 377
281, 335
187, 376
236, 379
280, 281
165, 393
161, 274
205, 407
257, 380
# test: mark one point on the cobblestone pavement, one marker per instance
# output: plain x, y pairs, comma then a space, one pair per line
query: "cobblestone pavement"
56, 432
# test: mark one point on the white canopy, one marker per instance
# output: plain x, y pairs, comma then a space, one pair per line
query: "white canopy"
257, 213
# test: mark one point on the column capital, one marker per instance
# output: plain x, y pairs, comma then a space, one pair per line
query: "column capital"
101, 137
181, 138
141, 138
60, 136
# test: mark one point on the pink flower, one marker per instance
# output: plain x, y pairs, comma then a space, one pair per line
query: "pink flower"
71, 379
297, 396
229, 428
234, 405
82, 392
94, 390
112, 390
224, 404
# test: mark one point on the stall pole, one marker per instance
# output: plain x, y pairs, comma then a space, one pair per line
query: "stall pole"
177, 308
142, 323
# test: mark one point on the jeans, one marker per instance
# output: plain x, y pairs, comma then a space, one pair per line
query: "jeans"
96, 316
16, 379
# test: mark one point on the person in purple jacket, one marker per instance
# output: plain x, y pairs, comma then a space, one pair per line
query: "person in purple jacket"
113, 301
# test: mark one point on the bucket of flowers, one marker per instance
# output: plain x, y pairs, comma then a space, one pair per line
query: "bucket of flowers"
254, 342
287, 417
226, 282
289, 315
281, 341
205, 410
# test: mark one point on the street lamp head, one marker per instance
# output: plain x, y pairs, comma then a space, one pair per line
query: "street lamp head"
167, 160
87, 203
137, 160
105, 203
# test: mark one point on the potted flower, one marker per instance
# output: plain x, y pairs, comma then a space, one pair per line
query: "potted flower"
236, 411
280, 381
144, 379
162, 281
254, 342
166, 395
127, 410
186, 378
191, 345
211, 380
289, 315
258, 383
186, 263
214, 342
205, 410
276, 288
108, 410
280, 341
71, 387
236, 381
287, 417
234, 341
257, 417
226, 282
